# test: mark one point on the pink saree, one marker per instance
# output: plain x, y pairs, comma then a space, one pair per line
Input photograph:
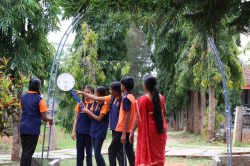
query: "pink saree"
150, 149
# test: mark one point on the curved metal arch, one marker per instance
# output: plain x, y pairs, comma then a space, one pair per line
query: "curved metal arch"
227, 102
56, 62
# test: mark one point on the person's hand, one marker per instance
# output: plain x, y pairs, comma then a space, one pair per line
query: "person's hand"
123, 139
131, 138
84, 110
81, 105
51, 123
78, 92
73, 136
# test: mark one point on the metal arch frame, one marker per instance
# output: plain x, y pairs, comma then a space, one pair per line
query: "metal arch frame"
227, 102
67, 33
57, 61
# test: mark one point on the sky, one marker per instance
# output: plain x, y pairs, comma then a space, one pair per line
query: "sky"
57, 36
244, 41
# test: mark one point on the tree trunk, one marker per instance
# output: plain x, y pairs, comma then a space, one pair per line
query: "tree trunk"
181, 120
196, 112
83, 60
172, 120
16, 147
187, 120
191, 115
203, 110
175, 120
211, 116
199, 112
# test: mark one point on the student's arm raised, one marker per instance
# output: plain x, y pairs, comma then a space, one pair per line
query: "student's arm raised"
93, 97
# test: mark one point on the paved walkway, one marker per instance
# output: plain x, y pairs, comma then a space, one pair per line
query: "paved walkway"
172, 149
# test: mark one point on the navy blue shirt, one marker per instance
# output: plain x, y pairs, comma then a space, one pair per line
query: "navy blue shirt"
83, 121
99, 129
32, 105
114, 111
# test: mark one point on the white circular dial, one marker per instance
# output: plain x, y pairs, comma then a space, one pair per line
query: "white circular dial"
65, 81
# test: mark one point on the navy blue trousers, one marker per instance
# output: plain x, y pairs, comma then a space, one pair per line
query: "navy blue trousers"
28, 148
119, 154
97, 145
116, 147
83, 141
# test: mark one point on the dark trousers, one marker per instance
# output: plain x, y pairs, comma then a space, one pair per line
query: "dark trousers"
119, 155
28, 148
116, 146
97, 146
83, 141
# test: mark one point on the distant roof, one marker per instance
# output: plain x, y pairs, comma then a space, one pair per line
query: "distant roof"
247, 75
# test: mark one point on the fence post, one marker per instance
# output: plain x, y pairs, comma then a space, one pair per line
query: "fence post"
238, 124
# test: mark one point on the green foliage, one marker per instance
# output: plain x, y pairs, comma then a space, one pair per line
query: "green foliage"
205, 16
176, 47
218, 120
246, 48
91, 69
24, 26
8, 98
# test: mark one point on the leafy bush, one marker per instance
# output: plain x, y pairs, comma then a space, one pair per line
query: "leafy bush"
8, 98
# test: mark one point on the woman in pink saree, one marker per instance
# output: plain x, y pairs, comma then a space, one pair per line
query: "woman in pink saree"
152, 127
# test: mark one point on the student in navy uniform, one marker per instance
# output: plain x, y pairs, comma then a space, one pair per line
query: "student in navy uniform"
33, 110
99, 113
124, 125
114, 101
81, 130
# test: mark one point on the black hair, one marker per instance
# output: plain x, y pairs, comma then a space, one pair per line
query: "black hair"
150, 82
116, 86
87, 87
92, 90
101, 90
34, 85
128, 82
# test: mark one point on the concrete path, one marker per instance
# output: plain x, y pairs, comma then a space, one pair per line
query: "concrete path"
172, 149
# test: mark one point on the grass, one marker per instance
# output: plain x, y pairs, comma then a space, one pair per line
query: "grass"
185, 138
241, 144
63, 140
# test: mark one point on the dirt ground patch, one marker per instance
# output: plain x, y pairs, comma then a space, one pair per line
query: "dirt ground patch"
6, 141
182, 164
175, 164
246, 138
5, 145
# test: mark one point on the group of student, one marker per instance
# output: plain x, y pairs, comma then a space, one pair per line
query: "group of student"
123, 115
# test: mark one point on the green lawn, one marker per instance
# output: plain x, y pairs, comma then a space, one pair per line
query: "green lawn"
64, 140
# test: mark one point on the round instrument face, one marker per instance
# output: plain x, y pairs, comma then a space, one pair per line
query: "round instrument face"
65, 82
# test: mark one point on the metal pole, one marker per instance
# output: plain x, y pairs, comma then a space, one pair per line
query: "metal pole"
74, 22
227, 103
124, 154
